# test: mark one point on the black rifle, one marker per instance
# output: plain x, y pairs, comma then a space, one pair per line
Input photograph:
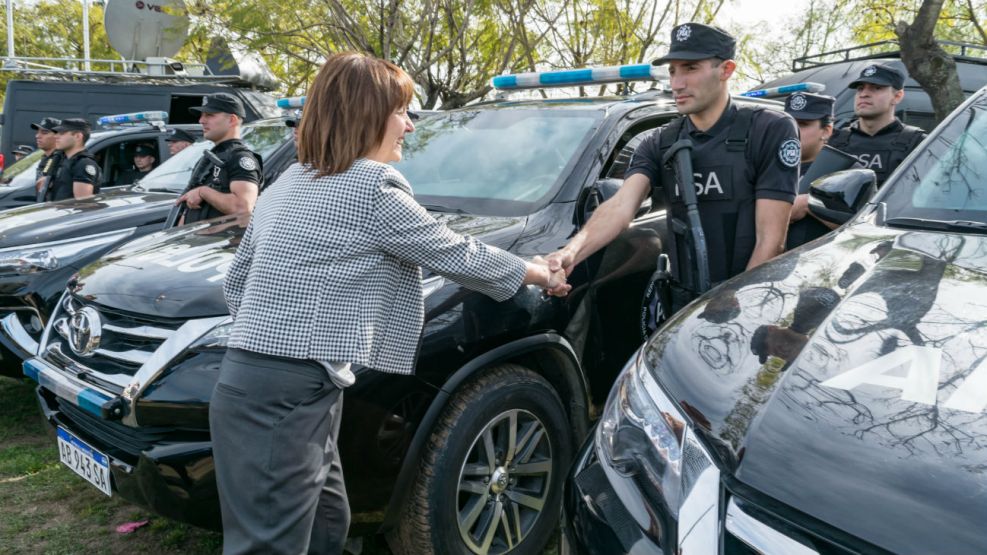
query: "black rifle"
679, 157
203, 168
50, 171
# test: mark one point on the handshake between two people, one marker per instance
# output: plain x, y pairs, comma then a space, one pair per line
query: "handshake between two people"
551, 272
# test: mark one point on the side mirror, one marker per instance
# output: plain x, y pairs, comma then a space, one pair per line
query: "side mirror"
601, 191
837, 197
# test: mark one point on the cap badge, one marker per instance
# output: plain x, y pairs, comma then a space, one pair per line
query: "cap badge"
798, 102
205, 100
870, 71
683, 33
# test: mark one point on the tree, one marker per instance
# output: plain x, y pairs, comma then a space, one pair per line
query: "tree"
927, 61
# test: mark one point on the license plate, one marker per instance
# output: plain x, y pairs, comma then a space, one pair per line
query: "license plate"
84, 460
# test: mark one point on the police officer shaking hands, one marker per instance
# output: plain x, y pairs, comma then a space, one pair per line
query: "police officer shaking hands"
745, 161
78, 175
228, 178
877, 137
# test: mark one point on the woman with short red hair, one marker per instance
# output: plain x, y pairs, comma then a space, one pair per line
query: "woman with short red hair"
328, 275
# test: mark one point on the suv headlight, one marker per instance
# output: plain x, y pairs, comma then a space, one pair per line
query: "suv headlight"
644, 435
44, 257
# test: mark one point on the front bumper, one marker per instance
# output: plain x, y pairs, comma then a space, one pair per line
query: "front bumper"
160, 470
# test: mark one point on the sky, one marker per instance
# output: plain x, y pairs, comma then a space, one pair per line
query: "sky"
746, 12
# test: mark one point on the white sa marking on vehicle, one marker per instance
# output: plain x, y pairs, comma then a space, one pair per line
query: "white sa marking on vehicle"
920, 382
175, 257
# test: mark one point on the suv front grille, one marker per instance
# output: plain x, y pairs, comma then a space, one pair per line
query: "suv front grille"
126, 340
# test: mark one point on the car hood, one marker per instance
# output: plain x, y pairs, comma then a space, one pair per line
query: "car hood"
848, 381
179, 273
67, 219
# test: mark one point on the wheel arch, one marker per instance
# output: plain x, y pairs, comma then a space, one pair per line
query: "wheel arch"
547, 354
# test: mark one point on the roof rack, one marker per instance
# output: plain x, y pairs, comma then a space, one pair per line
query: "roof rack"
160, 70
975, 53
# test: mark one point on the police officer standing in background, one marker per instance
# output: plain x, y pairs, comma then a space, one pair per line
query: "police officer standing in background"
232, 186
44, 136
746, 162
78, 175
21, 151
814, 115
877, 137
178, 140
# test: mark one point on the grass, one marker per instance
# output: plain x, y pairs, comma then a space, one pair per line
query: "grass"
45, 508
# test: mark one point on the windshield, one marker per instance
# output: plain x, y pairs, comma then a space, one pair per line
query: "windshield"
21, 167
263, 138
496, 162
947, 181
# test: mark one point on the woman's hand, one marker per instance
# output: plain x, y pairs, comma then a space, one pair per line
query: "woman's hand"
554, 283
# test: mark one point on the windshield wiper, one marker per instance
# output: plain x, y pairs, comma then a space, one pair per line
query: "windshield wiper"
946, 225
446, 209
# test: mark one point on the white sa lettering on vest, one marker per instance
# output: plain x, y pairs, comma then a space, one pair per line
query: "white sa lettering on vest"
920, 381
871, 161
712, 183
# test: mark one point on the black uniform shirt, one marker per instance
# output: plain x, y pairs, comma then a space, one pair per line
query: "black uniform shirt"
132, 175
728, 183
882, 151
241, 165
80, 168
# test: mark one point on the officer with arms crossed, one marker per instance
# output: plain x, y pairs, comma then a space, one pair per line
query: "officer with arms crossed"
814, 115
877, 137
44, 136
178, 140
145, 158
745, 161
78, 175
232, 186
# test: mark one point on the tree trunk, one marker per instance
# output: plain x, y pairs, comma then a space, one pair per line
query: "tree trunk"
927, 62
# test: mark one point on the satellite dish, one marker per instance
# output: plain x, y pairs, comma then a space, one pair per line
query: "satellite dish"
141, 29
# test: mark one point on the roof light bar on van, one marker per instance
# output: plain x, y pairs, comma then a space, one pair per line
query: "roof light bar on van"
293, 102
786, 90
136, 117
575, 77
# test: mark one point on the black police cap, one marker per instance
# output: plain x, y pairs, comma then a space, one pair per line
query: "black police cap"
179, 135
145, 150
880, 74
224, 103
695, 41
48, 124
803, 105
73, 124
24, 149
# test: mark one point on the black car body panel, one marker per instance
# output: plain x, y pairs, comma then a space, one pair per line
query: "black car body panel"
839, 387
132, 212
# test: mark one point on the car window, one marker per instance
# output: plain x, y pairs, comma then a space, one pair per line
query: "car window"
173, 175
26, 163
497, 162
948, 178
119, 158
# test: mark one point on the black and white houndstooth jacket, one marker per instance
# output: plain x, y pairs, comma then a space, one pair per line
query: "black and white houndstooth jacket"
330, 268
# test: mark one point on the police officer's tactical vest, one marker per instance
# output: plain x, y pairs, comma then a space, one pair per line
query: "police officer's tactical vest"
736, 247
897, 145
62, 176
215, 177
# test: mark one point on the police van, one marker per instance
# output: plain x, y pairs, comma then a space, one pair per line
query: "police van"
42, 245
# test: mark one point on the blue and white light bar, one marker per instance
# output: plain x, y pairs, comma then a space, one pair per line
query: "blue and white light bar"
575, 77
293, 102
786, 90
65, 387
136, 117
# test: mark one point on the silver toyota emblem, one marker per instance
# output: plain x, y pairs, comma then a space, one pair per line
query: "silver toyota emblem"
85, 330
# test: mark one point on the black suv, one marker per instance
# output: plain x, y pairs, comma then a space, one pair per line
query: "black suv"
113, 149
829, 401
468, 455
42, 245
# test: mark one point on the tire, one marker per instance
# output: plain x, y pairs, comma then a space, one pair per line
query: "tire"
450, 482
